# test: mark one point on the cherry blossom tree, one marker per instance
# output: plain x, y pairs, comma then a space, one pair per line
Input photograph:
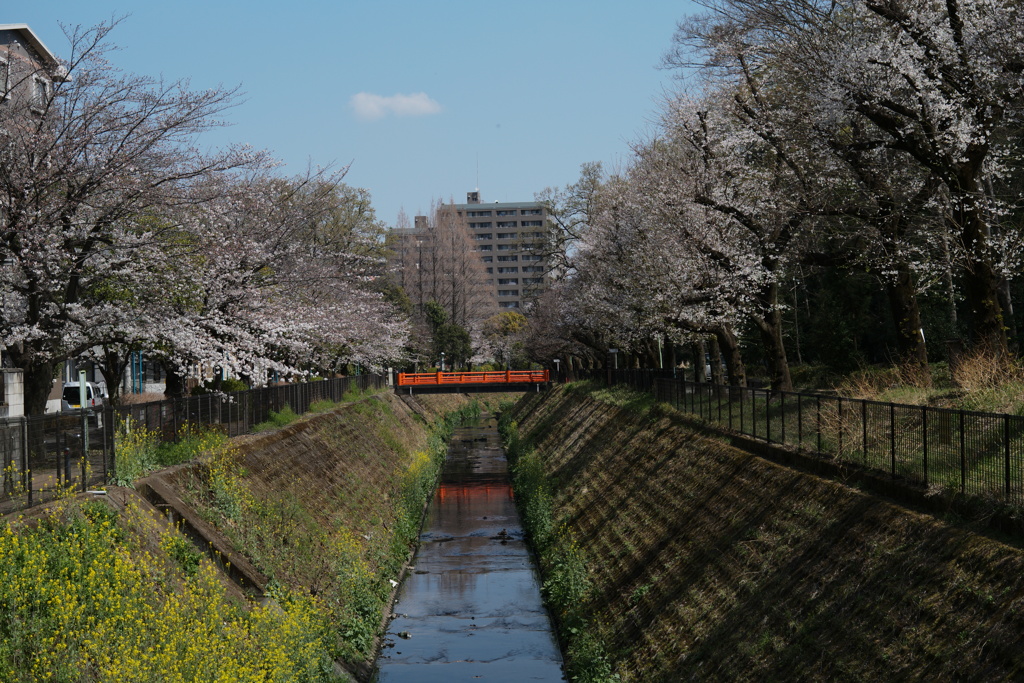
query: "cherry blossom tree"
117, 232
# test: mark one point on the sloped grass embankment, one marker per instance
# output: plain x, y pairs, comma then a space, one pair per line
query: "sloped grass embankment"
324, 510
669, 555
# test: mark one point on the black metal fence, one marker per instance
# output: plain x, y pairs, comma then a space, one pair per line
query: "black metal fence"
978, 454
47, 454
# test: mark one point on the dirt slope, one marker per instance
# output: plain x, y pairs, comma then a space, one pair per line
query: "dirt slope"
709, 563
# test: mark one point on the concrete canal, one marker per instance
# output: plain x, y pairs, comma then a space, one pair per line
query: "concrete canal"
470, 609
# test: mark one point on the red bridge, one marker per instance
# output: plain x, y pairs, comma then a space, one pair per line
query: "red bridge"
469, 380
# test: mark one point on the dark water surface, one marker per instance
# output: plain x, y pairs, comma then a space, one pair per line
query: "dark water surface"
470, 609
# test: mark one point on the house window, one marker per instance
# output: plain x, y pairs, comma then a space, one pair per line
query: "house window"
5, 73
39, 92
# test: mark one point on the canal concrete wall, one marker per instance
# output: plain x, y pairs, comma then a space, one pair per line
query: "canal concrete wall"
707, 562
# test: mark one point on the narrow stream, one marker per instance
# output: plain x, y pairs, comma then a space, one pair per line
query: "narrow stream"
470, 609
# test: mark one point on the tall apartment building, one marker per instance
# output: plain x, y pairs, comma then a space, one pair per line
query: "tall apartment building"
508, 237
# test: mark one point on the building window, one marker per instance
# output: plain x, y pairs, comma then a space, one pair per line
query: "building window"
485, 225
531, 224
507, 259
508, 292
508, 281
533, 269
490, 271
487, 259
477, 214
5, 74
535, 257
485, 247
533, 234
506, 235
482, 236
530, 212
506, 247
508, 304
39, 92
509, 212
533, 280
506, 224
509, 269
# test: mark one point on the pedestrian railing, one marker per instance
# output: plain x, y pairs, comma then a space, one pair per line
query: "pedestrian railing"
942, 449
47, 454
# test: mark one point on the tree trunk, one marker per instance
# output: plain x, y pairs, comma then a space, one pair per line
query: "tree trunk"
698, 360
981, 282
174, 386
771, 338
38, 383
733, 359
113, 366
716, 362
906, 315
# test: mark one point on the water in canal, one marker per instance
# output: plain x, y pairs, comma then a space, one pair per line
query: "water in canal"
470, 608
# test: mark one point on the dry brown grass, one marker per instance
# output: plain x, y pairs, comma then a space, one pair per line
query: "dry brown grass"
986, 370
134, 399
873, 383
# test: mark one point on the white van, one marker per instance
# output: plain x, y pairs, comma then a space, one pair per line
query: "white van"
71, 398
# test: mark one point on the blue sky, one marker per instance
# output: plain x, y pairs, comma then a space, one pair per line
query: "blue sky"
525, 91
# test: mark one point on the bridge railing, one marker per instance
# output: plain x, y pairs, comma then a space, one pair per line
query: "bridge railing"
412, 379
940, 449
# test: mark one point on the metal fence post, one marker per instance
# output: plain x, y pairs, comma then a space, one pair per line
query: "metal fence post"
841, 427
799, 421
864, 428
782, 413
818, 402
1006, 439
963, 456
924, 442
892, 437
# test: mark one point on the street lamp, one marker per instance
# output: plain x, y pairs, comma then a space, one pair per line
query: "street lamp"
442, 361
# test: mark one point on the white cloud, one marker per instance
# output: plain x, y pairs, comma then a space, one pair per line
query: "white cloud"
370, 107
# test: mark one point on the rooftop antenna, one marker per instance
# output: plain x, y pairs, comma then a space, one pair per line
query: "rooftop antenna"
478, 171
